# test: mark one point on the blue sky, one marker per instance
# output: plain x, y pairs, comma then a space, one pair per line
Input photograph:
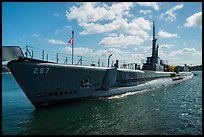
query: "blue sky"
123, 29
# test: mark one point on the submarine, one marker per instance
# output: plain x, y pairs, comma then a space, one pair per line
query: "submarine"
46, 83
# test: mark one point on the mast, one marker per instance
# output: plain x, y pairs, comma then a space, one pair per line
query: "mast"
72, 45
154, 48
153, 31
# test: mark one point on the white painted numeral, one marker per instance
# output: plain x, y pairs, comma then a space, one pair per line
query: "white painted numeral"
41, 70
35, 71
47, 69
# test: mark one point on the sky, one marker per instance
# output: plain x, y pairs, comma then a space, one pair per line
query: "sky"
123, 29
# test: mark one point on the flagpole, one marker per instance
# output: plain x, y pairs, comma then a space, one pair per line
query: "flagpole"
72, 45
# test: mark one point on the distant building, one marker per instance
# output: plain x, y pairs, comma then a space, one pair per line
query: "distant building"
194, 68
187, 68
178, 69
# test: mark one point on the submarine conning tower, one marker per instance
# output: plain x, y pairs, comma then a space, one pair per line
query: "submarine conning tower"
153, 62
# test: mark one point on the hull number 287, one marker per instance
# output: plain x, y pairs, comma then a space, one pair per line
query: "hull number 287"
41, 70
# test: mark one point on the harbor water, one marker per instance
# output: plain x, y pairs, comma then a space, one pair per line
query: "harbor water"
171, 110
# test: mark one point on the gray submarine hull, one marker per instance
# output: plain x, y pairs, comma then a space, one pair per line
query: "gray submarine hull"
45, 83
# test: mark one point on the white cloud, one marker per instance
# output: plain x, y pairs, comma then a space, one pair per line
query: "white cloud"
145, 11
91, 15
78, 51
95, 11
166, 45
189, 50
162, 55
179, 27
68, 27
137, 30
170, 14
164, 34
185, 56
184, 43
146, 49
154, 5
112, 35
121, 41
198, 54
56, 14
57, 42
96, 28
35, 35
194, 20
117, 53
138, 26
57, 31
183, 51
65, 29
135, 49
